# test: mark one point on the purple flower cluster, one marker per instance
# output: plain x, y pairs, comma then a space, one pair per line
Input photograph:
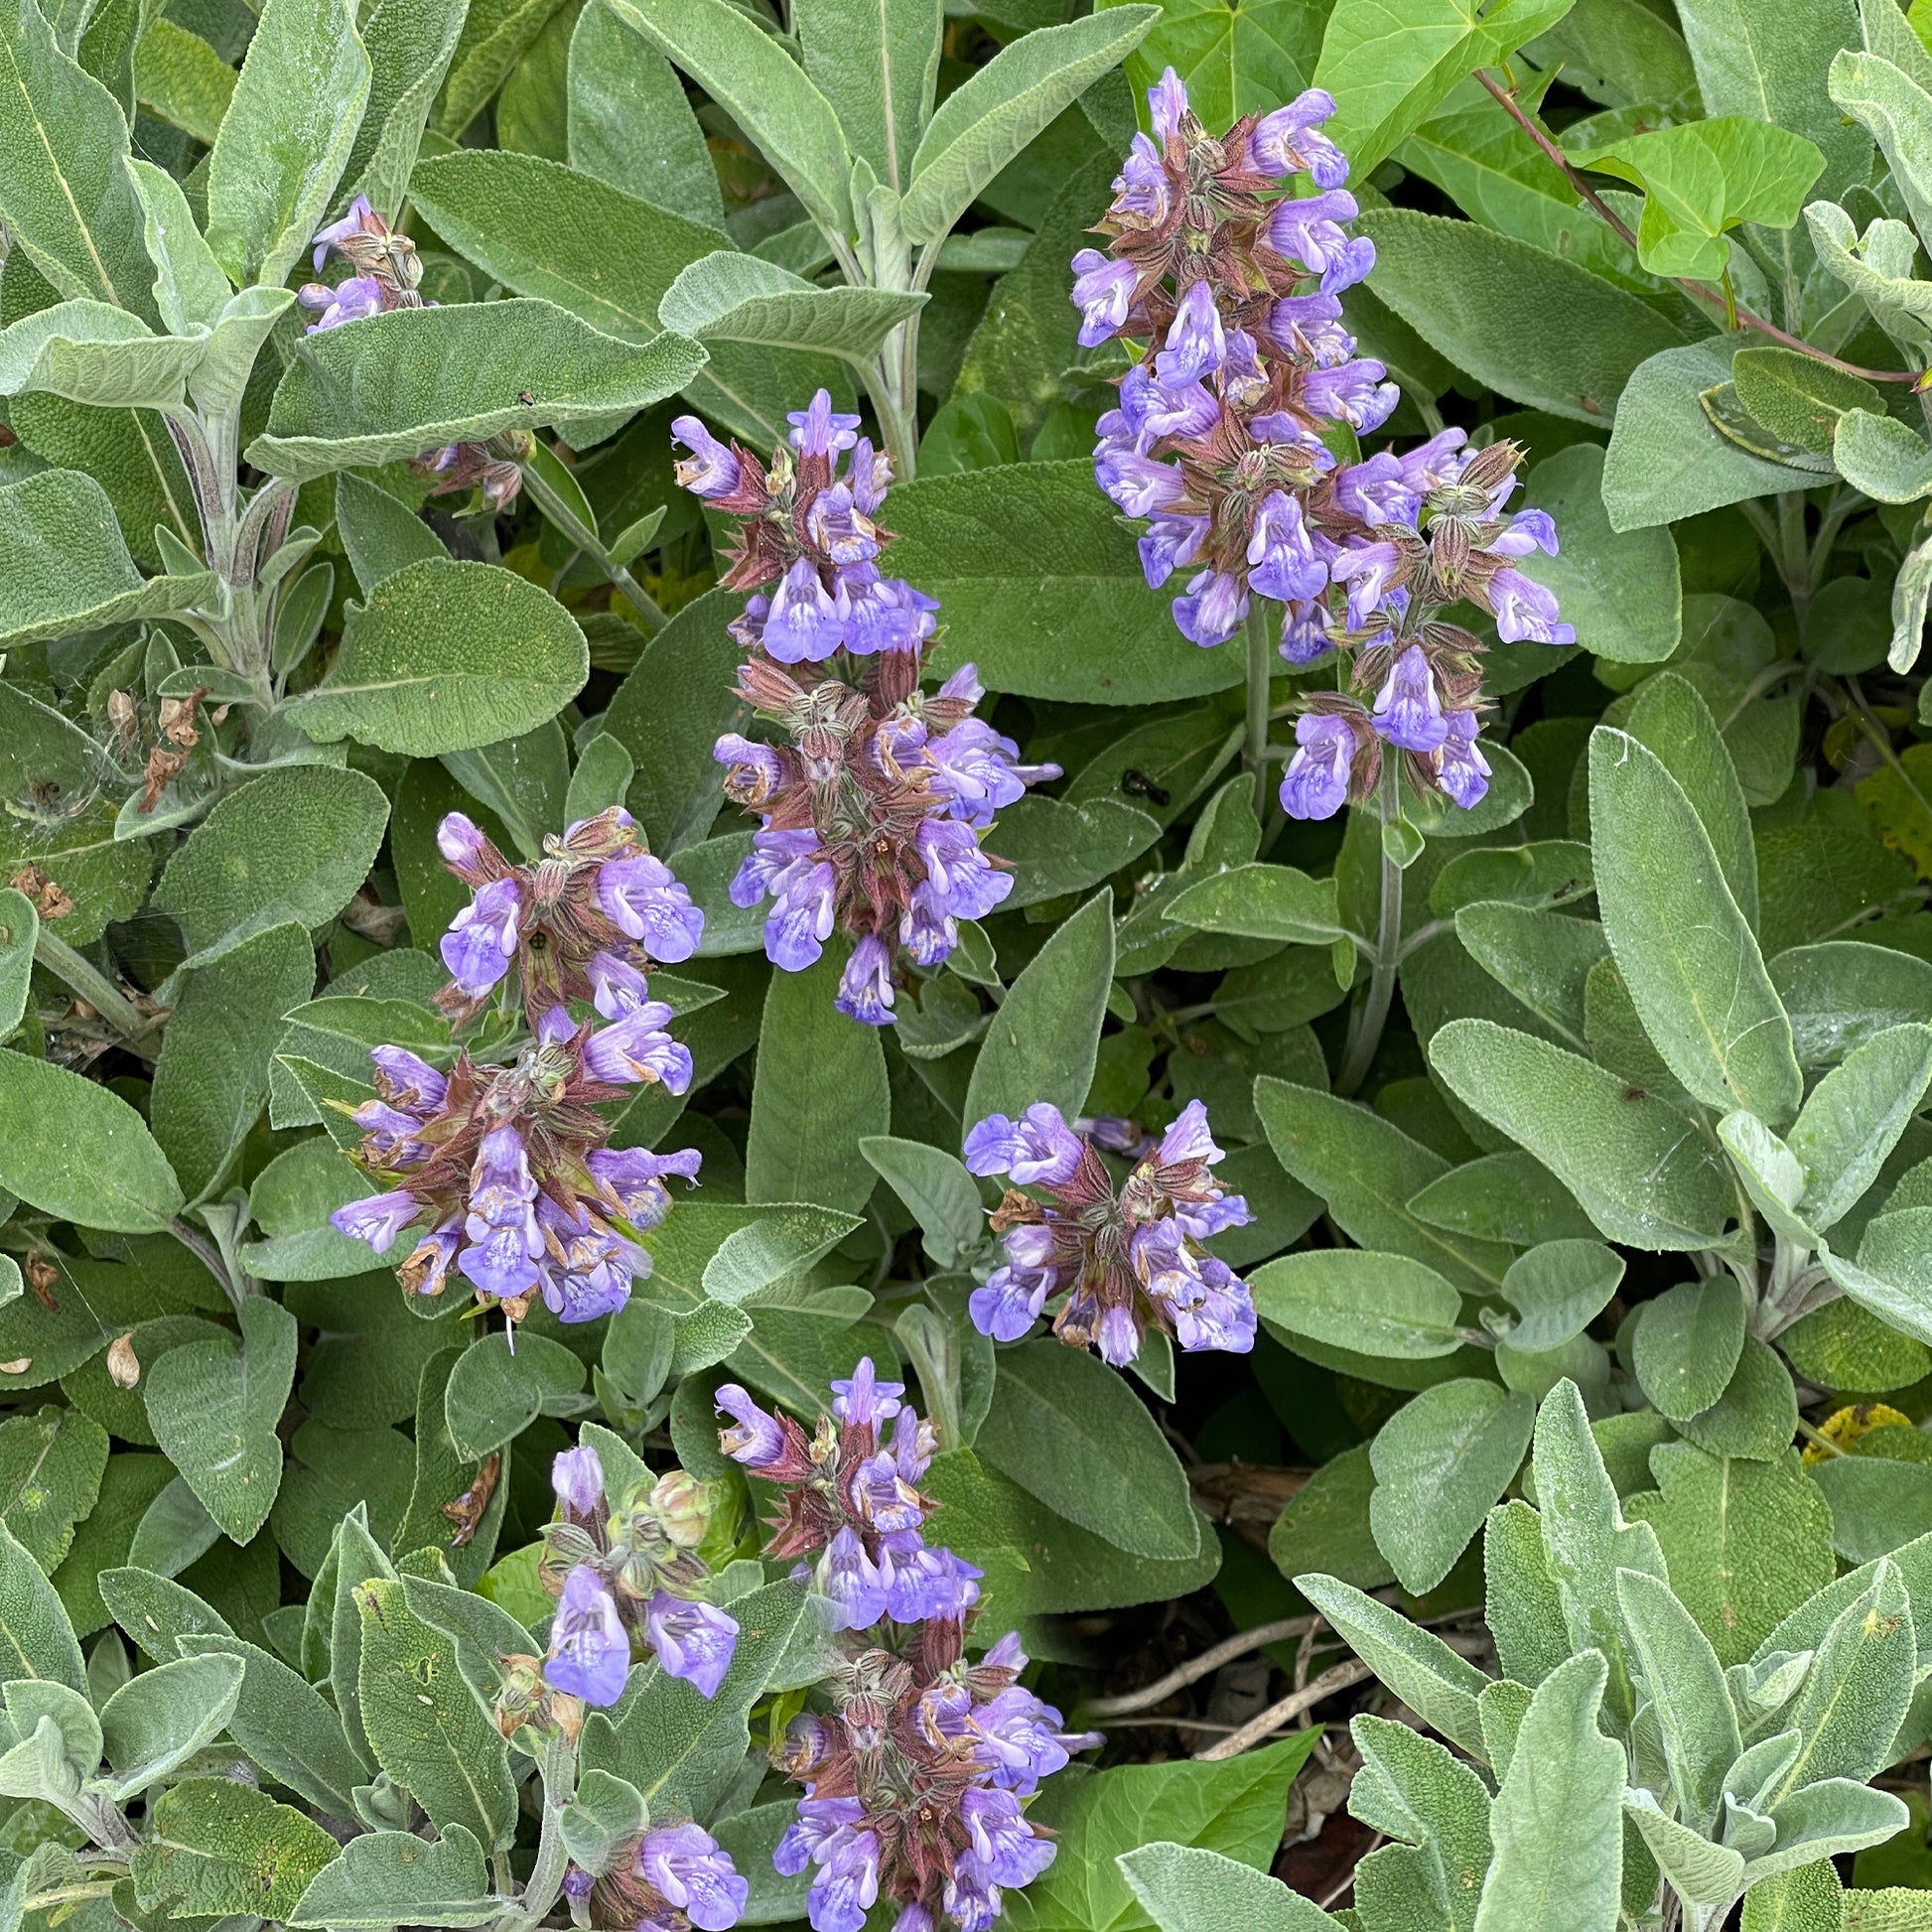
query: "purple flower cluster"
506, 1168
626, 1576
1125, 1263
852, 1500
873, 799
917, 1764
387, 270
672, 1877
1220, 442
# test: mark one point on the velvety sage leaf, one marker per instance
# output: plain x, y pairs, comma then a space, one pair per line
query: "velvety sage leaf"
1189, 1888
987, 119
1757, 1416
630, 124
778, 1241
218, 1847
285, 137
521, 780
878, 68
494, 1395
20, 926
765, 90
381, 534
36, 1639
1070, 1431
410, 43
938, 1193
1546, 332
1381, 1304
1897, 111
1262, 903
1686, 1345
211, 1079
215, 1407
1844, 992
173, 1532
384, 1878
600, 779
1673, 720
1799, 398
375, 391
1883, 457
424, 1724
78, 1151
291, 847
190, 287
445, 656
1892, 1275
157, 1721
1685, 950
1686, 1682
1041, 1043
51, 1466
68, 204
1325, 1526
733, 298
93, 353
1057, 848
1854, 1117
818, 1091
180, 79
1433, 1681
65, 569
442, 1472
1873, 1504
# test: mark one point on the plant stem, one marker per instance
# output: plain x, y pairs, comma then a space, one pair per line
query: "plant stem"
1372, 1016
1261, 662
571, 525
78, 974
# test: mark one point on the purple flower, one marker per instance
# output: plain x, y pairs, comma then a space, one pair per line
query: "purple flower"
1187, 1138
578, 1478
820, 430
481, 939
1223, 1318
1312, 233
1288, 142
636, 1048
1138, 485
617, 986
643, 900
1465, 772
590, 1655
1368, 569
1195, 344
1019, 1739
711, 470
460, 842
1528, 531
1103, 292
1008, 1303
1003, 1843
869, 474
1351, 392
863, 1400
1153, 408
416, 1083
1315, 784
960, 875
803, 625
350, 301
1408, 708
1213, 608
866, 986
585, 1269
1142, 188
800, 920
337, 232
1171, 542
377, 1218
847, 1884
754, 771
1282, 559
1119, 1337
755, 1440
930, 1586
691, 1871
850, 1583
1378, 491
1304, 632
636, 1176
973, 771
835, 525
1167, 101
691, 1640
1526, 613
1036, 1149
886, 614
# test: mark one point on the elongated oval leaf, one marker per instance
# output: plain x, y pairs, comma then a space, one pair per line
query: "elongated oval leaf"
79, 1153
1381, 1304
733, 298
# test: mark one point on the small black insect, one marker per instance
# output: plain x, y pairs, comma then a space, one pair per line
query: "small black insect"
1139, 785
527, 397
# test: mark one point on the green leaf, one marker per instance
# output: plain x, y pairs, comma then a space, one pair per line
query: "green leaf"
179, 79
1635, 1165
1260, 901
1057, 848
522, 781
1557, 1290
78, 1152
1387, 67
415, 378
65, 569
1854, 1117
425, 1726
383, 1876
1325, 1525
1440, 1461
1687, 1345
1545, 331
938, 1193
1685, 949
818, 1091
986, 120
216, 1846
1232, 59
1703, 179
381, 534
1746, 1542
211, 1079
292, 846
879, 69
1068, 1429
1686, 1682
1557, 1822
631, 125
495, 1394
1843, 994
159, 1719
68, 204
1042, 1043
1381, 1304
1185, 1889
189, 286
766, 92
1232, 1807
445, 656
1899, 112
410, 43
443, 1474
51, 1466
20, 926
1873, 452
1673, 720
91, 353
36, 1639
733, 298
781, 1240
215, 1408
1798, 398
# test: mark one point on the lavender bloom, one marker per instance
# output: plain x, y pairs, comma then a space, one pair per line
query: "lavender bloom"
636, 1048
1152, 407
755, 1440
1213, 610
959, 875
974, 770
462, 843
1103, 293
800, 920
377, 1218
578, 1478
847, 1885
1036, 1149
863, 1400
413, 1076
481, 939
691, 1640
1368, 569
1408, 708
633, 1177
1289, 142
821, 430
1166, 102
1526, 613
1139, 485
1353, 393
1196, 346
692, 1872
866, 986
1315, 784
887, 615
590, 1655
1141, 190
754, 771
350, 301
1528, 531
336, 233
643, 900
1465, 774
1009, 1302
803, 625
588, 1268
1282, 557
1378, 491
1304, 632
712, 470
1312, 233
1169, 544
